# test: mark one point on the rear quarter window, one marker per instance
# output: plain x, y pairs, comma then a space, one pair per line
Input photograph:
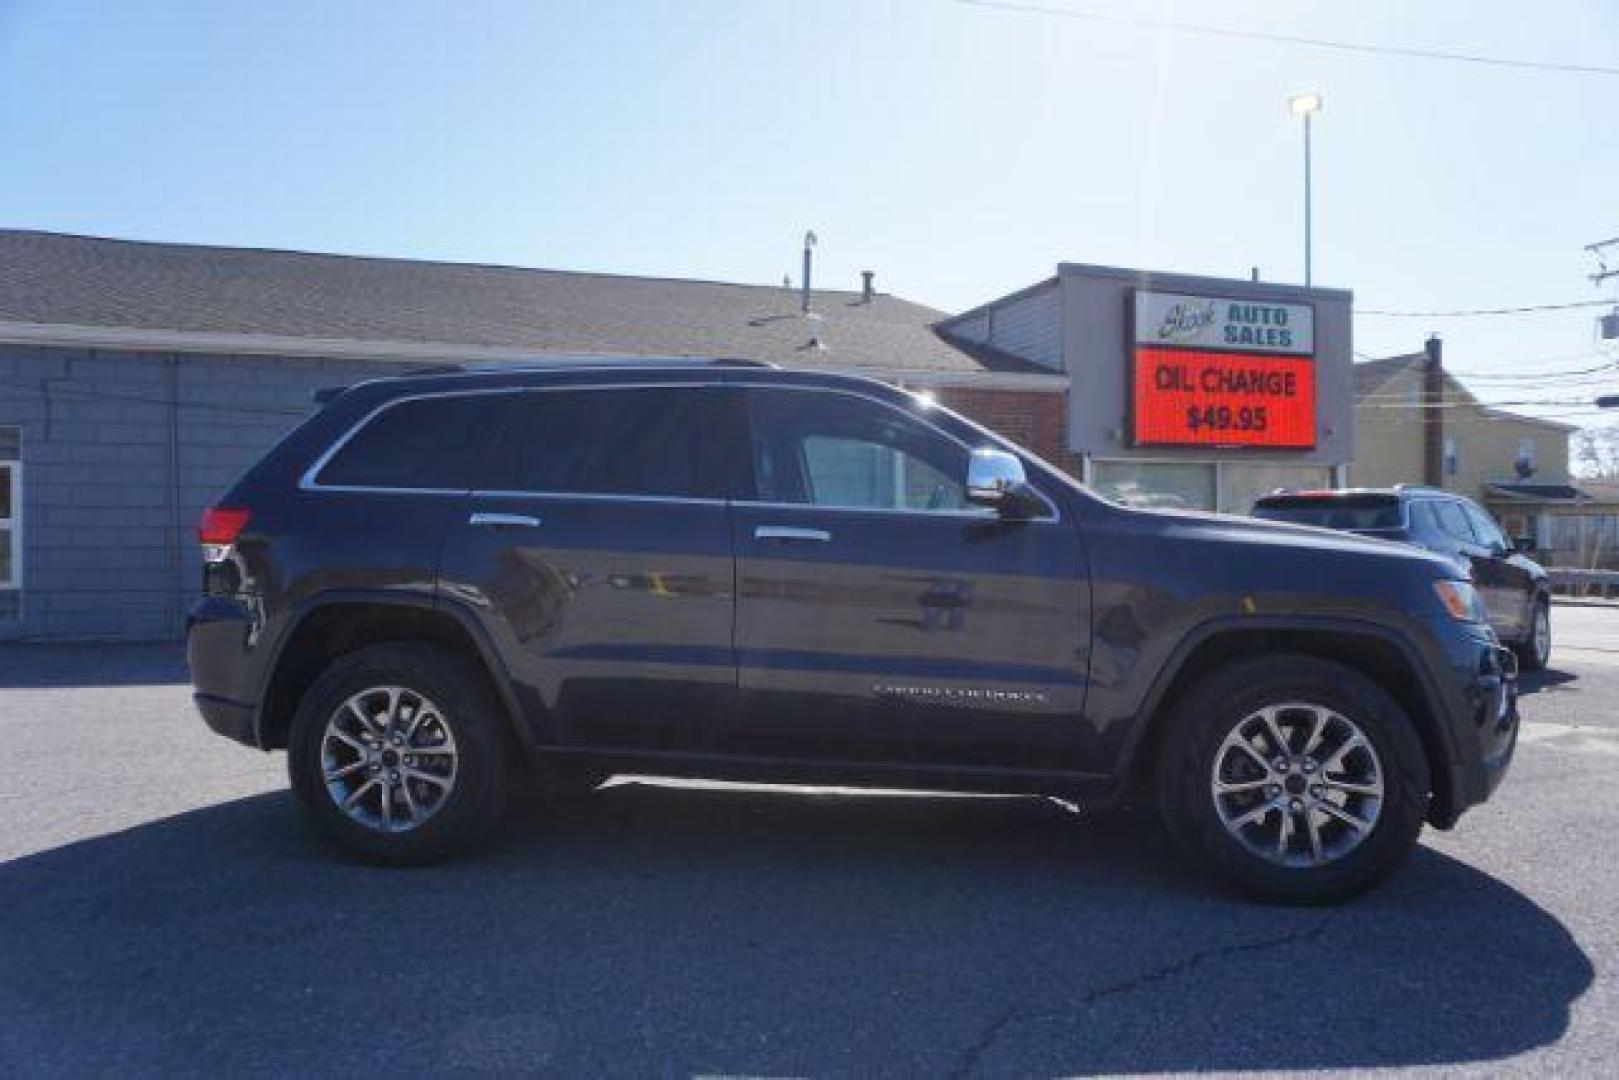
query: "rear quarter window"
431, 442
1333, 513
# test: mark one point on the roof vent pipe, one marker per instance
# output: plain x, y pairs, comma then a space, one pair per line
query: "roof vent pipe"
867, 293
809, 247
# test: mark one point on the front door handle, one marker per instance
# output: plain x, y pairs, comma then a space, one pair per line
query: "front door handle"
504, 521
790, 532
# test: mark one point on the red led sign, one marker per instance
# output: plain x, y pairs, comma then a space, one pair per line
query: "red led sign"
1195, 397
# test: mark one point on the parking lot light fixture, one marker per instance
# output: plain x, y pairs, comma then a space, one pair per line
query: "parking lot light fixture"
1306, 105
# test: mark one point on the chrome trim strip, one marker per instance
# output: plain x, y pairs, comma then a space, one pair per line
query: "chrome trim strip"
596, 496
308, 483
790, 532
975, 514
527, 521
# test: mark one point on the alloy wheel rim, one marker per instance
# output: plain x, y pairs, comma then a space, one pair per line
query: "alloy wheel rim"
388, 759
1543, 634
1298, 784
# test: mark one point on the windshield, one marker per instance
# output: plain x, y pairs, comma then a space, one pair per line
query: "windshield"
1357, 514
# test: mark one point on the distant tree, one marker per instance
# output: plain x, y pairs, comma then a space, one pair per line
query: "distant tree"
1596, 453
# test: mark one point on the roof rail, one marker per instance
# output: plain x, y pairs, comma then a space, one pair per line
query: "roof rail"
563, 363
326, 394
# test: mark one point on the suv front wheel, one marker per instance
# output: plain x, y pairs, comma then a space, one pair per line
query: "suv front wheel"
397, 754
1293, 778
1535, 651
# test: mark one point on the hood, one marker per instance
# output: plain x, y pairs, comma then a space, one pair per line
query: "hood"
1230, 528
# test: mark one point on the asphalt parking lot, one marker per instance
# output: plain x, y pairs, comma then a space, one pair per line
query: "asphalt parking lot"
162, 910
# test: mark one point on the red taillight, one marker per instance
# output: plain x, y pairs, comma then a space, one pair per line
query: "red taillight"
221, 526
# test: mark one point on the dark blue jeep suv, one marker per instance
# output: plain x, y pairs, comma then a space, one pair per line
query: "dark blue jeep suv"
442, 585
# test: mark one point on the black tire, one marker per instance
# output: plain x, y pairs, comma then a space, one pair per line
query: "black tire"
471, 715
1530, 656
1202, 717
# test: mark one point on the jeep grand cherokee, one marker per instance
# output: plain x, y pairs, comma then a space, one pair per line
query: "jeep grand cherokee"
442, 584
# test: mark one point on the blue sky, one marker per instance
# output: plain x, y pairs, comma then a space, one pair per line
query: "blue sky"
959, 152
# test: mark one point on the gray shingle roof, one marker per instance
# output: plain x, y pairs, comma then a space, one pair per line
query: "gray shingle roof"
101, 283
1370, 374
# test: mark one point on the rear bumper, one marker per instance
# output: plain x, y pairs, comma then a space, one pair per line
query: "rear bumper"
231, 719
218, 633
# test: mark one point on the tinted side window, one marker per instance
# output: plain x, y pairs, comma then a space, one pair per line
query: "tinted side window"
1454, 522
423, 443
828, 449
1426, 525
667, 441
1489, 533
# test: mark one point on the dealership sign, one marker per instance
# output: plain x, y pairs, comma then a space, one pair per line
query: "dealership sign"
1210, 371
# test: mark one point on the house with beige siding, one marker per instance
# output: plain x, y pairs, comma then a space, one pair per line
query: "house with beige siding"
1516, 466
1483, 446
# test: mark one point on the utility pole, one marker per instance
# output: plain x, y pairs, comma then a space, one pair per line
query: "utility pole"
1598, 251
1433, 412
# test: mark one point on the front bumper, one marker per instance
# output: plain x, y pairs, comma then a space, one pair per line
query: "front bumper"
1483, 721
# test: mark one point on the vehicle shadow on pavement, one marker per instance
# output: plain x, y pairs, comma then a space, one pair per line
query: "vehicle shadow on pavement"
29, 666
1533, 682
647, 930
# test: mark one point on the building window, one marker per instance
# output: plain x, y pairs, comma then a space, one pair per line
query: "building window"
1453, 459
10, 508
1174, 485
1242, 485
1524, 464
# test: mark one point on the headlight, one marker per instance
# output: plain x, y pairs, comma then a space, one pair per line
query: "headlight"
1460, 600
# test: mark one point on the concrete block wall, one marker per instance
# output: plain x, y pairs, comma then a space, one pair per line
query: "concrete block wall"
121, 451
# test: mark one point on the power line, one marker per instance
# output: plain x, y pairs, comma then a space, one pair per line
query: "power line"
1292, 39
1527, 309
1581, 375
98, 393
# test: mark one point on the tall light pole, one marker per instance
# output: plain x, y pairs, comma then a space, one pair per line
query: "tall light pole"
1306, 105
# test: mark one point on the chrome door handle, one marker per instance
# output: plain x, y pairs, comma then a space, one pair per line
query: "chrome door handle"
789, 532
505, 520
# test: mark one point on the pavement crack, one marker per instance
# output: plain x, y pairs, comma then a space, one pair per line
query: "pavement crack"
972, 1057
1149, 979
974, 1054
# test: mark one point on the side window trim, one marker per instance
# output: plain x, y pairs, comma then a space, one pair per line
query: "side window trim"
720, 390
1054, 514
310, 482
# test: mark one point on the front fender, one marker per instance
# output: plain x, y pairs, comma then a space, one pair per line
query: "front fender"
1183, 664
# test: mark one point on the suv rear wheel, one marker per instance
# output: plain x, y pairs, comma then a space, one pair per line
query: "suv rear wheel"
397, 754
1293, 778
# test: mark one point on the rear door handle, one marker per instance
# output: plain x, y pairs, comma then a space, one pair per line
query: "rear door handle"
502, 521
790, 532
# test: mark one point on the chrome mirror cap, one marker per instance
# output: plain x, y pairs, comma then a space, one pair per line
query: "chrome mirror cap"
994, 477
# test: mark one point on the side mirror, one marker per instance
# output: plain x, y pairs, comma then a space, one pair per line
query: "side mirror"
1523, 545
996, 479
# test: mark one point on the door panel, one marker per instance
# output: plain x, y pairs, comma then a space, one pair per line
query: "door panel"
1507, 588
925, 639
598, 551
880, 618
615, 615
